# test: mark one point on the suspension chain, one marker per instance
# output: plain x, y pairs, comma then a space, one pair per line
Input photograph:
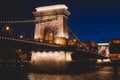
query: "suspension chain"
28, 21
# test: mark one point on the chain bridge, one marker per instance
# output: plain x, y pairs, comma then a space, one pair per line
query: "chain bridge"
52, 36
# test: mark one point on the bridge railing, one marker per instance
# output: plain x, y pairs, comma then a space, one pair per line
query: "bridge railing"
70, 43
88, 46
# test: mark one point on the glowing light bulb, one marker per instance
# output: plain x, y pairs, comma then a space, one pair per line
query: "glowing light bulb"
21, 36
7, 28
51, 34
74, 40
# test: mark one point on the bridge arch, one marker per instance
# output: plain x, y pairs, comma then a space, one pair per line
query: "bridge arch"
49, 33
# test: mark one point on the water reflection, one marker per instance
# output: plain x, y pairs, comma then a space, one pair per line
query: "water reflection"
116, 73
102, 73
34, 76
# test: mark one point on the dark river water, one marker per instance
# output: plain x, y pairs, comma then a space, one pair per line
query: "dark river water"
101, 73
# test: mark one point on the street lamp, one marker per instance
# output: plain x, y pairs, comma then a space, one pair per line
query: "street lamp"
7, 28
7, 31
21, 36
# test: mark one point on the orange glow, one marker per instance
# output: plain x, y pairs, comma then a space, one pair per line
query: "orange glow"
68, 56
60, 41
23, 56
114, 55
99, 60
74, 40
7, 28
57, 41
21, 36
117, 41
19, 51
51, 34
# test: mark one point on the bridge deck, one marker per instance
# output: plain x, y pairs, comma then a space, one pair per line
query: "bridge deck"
32, 45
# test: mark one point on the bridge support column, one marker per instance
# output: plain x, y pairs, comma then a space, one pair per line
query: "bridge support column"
54, 22
56, 60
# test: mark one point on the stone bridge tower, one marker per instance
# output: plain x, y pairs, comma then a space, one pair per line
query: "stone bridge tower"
103, 48
53, 24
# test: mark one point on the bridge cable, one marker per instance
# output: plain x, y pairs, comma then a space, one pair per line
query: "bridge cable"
75, 37
73, 34
28, 21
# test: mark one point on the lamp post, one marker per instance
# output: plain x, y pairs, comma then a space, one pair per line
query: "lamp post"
7, 28
7, 31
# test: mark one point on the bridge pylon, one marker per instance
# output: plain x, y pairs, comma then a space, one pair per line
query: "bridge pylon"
54, 30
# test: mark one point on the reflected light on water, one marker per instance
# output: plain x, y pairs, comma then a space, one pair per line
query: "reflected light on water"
34, 76
103, 73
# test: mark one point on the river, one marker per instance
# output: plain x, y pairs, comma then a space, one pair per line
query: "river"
101, 73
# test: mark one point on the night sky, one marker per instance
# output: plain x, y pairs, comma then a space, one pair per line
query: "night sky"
90, 20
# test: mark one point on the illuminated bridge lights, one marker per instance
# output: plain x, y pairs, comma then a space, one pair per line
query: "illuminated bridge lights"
29, 41
60, 41
7, 28
51, 32
57, 41
72, 42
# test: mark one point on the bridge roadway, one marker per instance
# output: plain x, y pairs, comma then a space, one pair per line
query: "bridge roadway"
30, 45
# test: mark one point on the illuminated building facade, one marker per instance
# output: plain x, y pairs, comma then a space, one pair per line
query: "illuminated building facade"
56, 27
